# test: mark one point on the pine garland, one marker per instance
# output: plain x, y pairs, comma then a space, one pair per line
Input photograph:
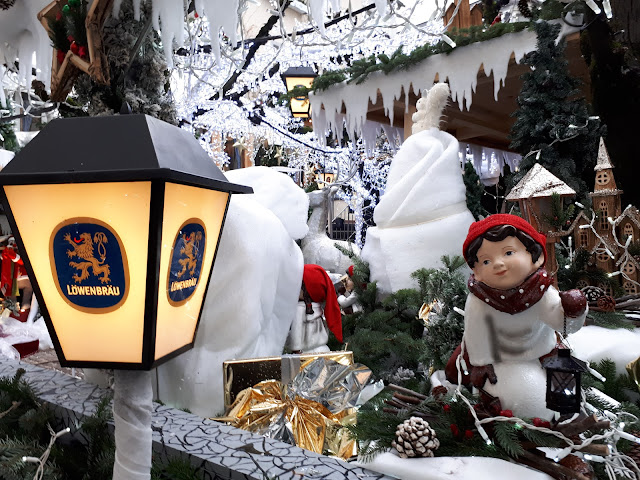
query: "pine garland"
361, 69
8, 139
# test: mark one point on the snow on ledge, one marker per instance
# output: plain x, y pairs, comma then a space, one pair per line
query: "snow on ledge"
460, 68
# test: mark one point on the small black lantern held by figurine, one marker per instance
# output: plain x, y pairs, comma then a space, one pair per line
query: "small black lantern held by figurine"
563, 381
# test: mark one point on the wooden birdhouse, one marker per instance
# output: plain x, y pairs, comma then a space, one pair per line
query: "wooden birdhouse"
533, 194
90, 58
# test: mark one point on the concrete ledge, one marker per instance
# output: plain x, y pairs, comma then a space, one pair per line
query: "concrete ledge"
220, 452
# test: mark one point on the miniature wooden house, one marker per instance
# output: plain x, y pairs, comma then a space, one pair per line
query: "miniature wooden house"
533, 194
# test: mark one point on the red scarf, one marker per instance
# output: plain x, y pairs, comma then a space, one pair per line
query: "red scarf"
514, 300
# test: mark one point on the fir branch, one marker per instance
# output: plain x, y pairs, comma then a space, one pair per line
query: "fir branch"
58, 34
611, 320
506, 437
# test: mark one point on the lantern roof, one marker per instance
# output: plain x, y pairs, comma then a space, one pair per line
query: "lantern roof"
563, 361
539, 182
115, 148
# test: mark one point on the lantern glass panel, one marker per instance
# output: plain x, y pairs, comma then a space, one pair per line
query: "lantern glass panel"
191, 226
42, 212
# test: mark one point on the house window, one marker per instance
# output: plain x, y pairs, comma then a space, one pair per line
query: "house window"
627, 231
602, 178
629, 268
602, 257
606, 288
581, 284
583, 238
604, 214
629, 288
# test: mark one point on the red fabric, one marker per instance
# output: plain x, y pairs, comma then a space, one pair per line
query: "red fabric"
7, 277
320, 289
478, 228
350, 271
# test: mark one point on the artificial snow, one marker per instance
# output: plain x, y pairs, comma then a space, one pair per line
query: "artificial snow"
460, 68
253, 294
422, 214
449, 468
594, 344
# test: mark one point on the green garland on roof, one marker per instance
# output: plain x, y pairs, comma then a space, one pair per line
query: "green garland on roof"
361, 69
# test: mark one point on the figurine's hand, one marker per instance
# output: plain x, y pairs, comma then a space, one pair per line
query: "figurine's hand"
479, 375
574, 303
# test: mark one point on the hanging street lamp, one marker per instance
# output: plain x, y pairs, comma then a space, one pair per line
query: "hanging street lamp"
564, 372
299, 77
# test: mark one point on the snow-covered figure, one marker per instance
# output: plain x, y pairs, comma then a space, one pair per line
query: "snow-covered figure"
253, 294
318, 313
423, 213
513, 313
317, 247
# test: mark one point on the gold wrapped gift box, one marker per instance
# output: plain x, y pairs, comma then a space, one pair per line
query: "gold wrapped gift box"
245, 373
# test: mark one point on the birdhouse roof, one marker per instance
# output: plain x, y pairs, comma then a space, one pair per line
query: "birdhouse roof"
604, 162
608, 244
539, 182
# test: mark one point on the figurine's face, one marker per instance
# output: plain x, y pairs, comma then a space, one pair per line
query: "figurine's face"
504, 264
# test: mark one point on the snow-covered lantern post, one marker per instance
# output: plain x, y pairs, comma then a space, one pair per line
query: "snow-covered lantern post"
564, 372
534, 195
119, 232
299, 77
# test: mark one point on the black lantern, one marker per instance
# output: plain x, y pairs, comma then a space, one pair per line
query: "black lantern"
299, 77
118, 219
563, 381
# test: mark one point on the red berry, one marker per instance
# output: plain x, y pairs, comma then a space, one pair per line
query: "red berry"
60, 56
468, 434
446, 407
59, 16
506, 413
454, 429
195, 14
538, 422
70, 38
75, 48
82, 51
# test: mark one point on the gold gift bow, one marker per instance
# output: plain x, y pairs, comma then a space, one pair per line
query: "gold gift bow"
256, 408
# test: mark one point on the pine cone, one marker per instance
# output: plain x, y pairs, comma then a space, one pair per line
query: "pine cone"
592, 293
439, 391
523, 6
415, 438
607, 303
577, 465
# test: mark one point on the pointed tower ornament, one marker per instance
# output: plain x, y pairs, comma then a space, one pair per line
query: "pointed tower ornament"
604, 162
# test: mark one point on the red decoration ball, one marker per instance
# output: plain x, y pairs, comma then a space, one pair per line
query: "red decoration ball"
82, 51
506, 413
59, 16
468, 434
446, 407
75, 48
454, 429
195, 14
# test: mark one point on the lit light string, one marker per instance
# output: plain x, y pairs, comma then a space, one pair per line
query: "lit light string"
615, 463
42, 460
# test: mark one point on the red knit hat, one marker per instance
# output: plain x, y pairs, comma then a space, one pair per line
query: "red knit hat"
350, 271
478, 228
320, 289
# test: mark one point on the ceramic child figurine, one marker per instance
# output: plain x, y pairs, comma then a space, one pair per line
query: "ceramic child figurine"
513, 312
318, 313
348, 298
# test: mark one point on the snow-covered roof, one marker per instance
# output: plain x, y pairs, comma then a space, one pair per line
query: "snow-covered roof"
604, 162
539, 182
459, 68
606, 243
631, 213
